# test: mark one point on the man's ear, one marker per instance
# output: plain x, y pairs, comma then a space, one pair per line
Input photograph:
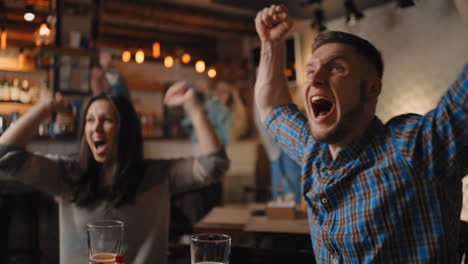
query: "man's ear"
374, 87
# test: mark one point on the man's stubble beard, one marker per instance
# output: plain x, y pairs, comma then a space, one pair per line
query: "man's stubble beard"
346, 123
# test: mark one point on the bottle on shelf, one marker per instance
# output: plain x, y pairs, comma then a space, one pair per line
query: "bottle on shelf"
25, 95
15, 90
6, 95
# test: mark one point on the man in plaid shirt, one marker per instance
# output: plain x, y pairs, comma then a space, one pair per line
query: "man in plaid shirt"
376, 193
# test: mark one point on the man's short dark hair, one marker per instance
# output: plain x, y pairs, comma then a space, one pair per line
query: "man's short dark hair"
362, 46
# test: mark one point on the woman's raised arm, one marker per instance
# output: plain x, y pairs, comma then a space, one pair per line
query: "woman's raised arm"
21, 132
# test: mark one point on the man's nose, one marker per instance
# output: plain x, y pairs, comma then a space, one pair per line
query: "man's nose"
318, 77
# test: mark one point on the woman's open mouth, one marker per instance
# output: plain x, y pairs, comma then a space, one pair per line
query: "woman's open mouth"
100, 146
321, 106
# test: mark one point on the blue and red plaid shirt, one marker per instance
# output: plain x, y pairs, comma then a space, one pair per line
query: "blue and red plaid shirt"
393, 196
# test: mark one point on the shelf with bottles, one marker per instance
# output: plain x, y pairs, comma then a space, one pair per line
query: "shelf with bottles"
20, 90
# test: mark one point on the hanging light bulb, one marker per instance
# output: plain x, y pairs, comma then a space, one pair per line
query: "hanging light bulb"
126, 55
29, 13
21, 58
200, 66
156, 50
139, 56
3, 38
186, 58
168, 61
44, 35
44, 30
212, 72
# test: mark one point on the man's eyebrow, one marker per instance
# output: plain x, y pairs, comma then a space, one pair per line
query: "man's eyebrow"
311, 64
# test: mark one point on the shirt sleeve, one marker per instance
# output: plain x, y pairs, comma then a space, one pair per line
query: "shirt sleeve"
46, 173
441, 136
289, 128
190, 173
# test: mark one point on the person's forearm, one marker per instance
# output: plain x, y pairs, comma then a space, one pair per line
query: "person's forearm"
20, 133
271, 88
208, 139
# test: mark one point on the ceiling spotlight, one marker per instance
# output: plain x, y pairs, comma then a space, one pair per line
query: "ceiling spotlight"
29, 13
405, 3
352, 13
318, 19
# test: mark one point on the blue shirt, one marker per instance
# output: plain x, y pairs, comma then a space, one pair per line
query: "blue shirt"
392, 196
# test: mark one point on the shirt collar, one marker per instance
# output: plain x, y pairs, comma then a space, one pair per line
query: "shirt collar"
353, 150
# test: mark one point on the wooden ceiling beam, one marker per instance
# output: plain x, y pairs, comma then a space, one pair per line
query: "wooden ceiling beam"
151, 35
20, 26
182, 17
20, 38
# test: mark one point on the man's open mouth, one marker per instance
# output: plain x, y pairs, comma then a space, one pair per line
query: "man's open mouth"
321, 106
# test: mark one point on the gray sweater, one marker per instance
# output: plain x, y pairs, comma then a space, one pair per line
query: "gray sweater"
146, 221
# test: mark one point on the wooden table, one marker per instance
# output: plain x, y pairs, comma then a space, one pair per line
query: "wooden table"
238, 222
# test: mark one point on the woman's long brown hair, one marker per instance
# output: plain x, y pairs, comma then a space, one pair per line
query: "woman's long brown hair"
127, 157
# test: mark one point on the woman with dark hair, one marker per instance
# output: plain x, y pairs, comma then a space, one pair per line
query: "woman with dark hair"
109, 179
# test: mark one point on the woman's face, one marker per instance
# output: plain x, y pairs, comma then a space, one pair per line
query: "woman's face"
101, 129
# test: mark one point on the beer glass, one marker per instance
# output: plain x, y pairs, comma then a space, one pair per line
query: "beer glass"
105, 238
210, 248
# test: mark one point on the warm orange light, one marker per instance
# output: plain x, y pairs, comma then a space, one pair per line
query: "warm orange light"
44, 30
21, 59
126, 55
168, 61
200, 66
186, 58
288, 72
156, 50
3, 39
212, 72
139, 56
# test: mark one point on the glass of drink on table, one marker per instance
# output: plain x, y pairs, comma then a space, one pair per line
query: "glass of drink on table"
105, 238
210, 249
